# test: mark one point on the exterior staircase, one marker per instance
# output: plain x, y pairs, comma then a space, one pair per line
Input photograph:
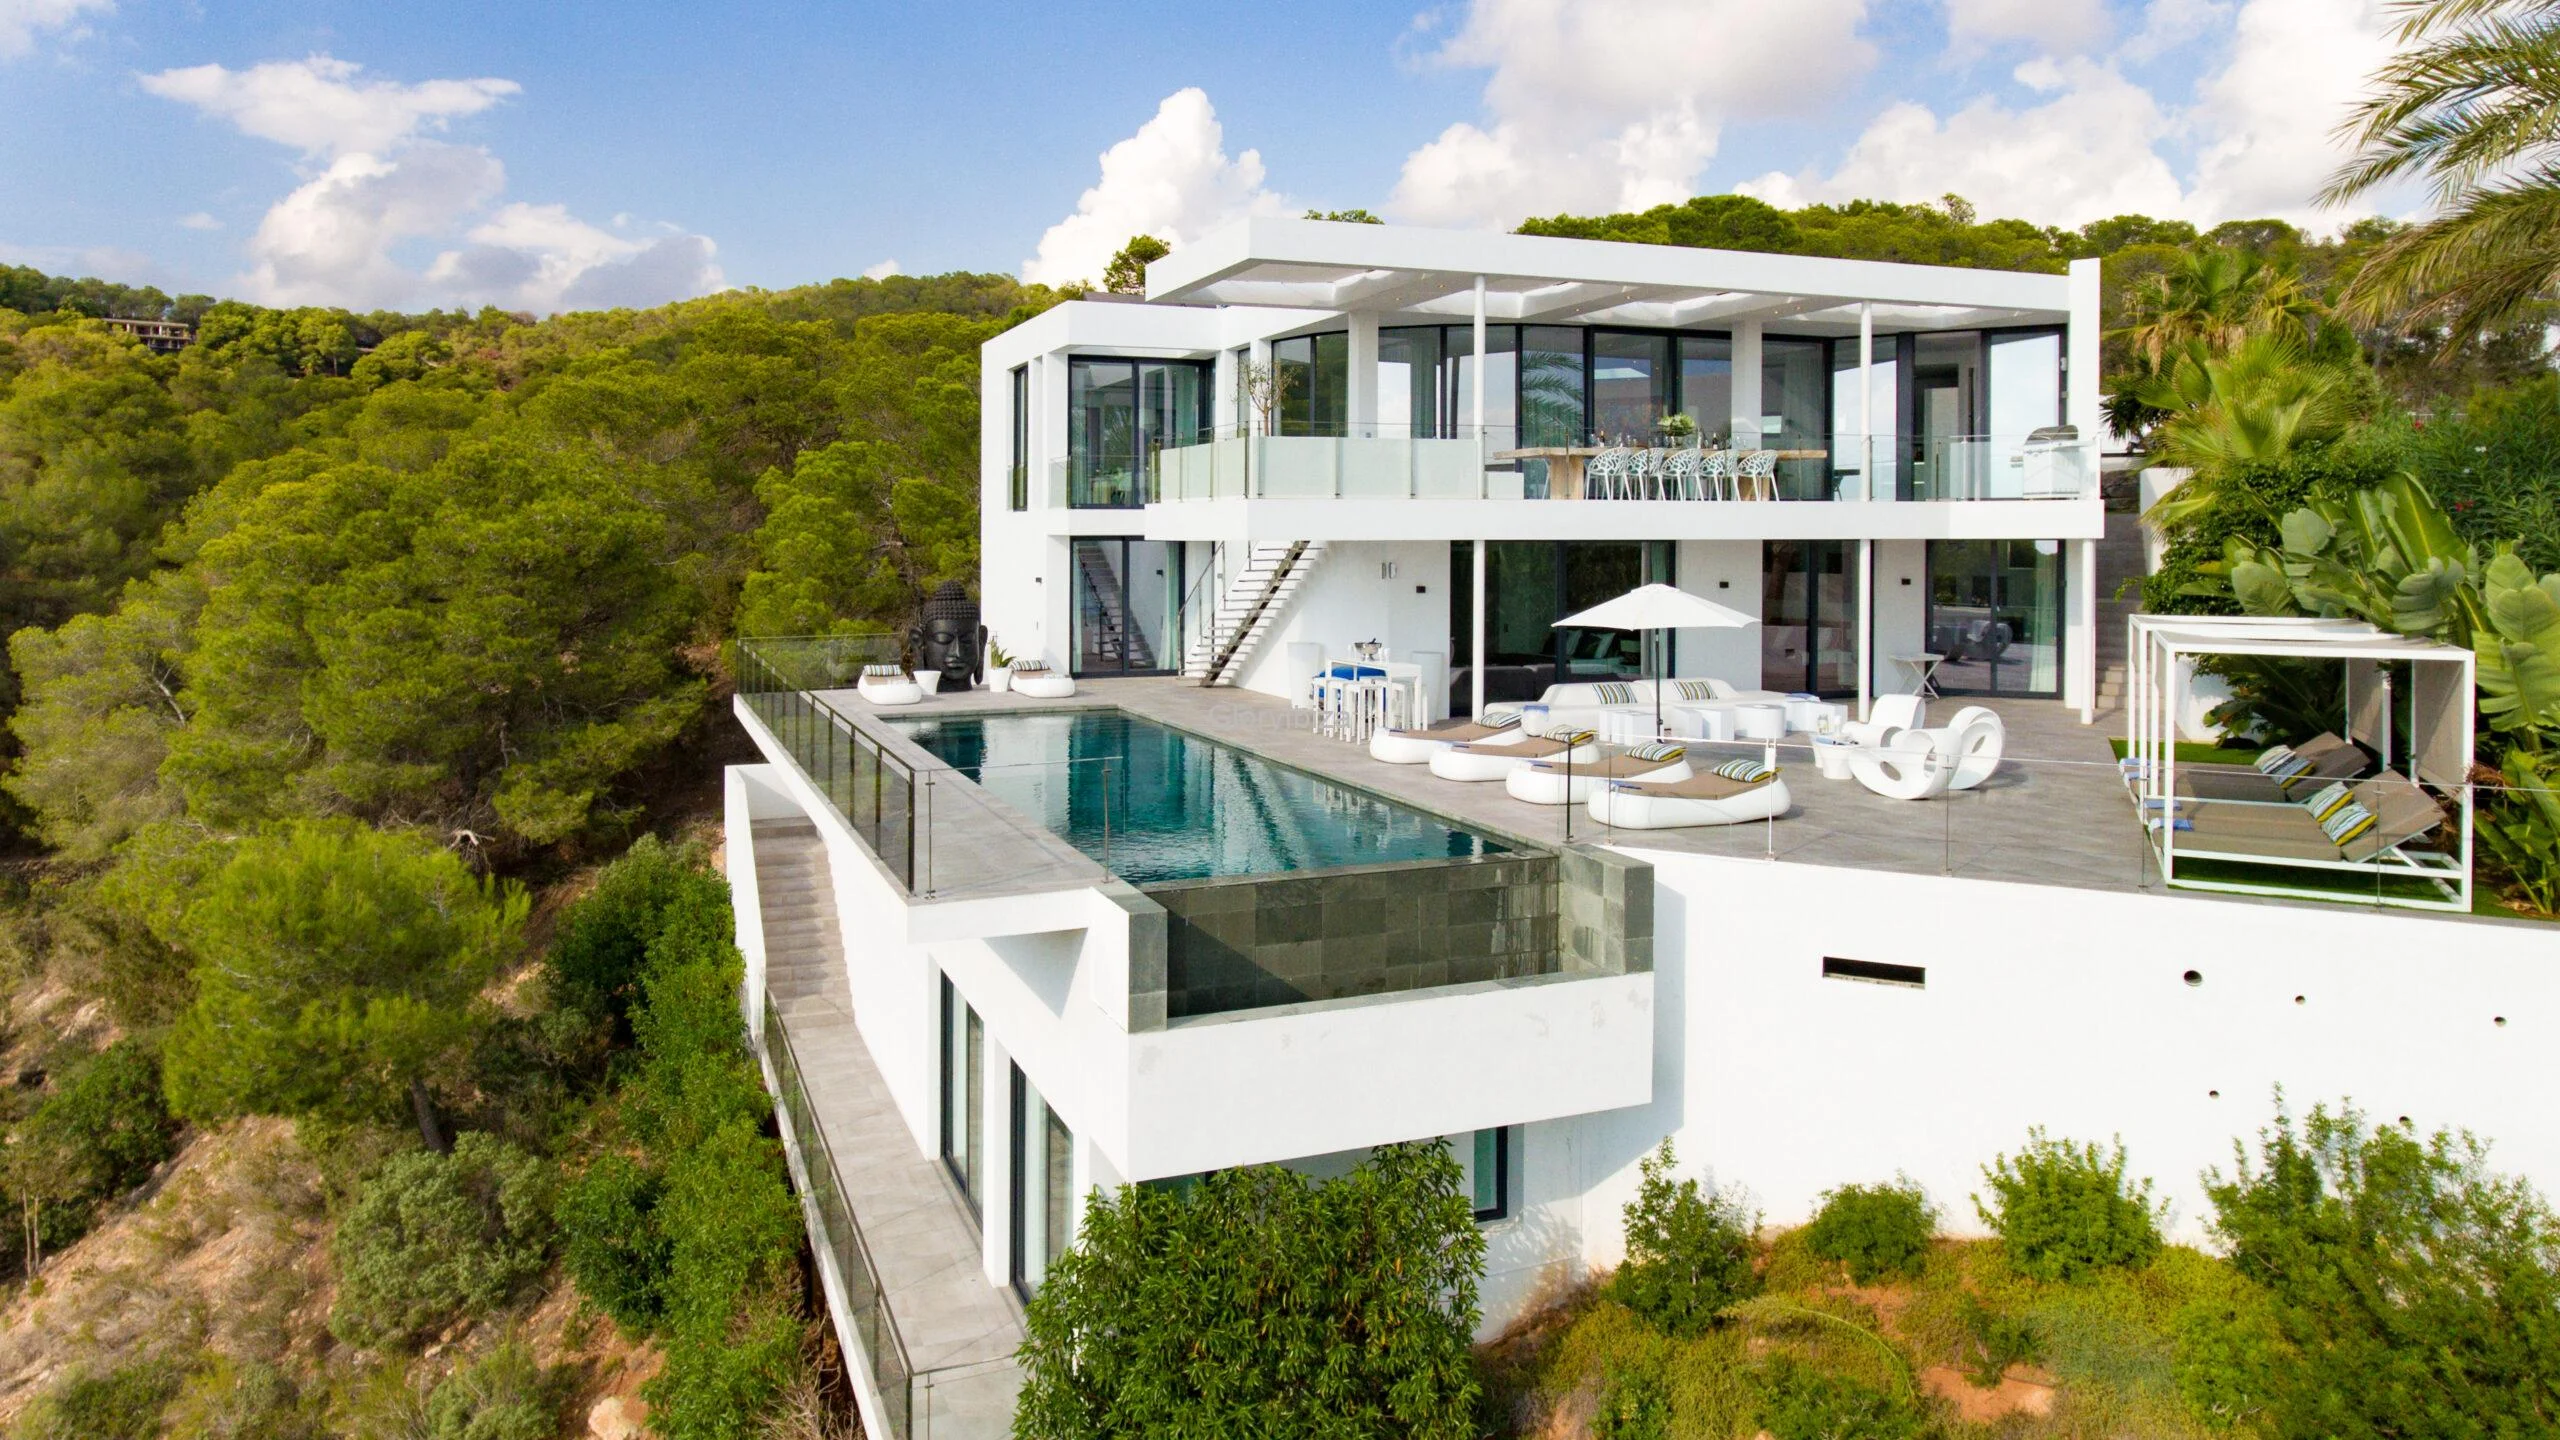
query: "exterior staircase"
2120, 567
1255, 599
803, 944
1108, 634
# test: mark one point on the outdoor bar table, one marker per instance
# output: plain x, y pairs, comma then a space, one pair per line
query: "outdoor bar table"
1565, 464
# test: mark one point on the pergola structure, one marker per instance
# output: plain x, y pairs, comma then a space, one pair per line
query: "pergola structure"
2228, 836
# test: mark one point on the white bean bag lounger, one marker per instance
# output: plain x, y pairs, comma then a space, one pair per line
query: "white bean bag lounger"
1726, 795
888, 685
1477, 762
1042, 683
1552, 782
1500, 726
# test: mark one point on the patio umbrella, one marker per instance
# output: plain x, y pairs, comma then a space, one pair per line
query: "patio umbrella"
1658, 607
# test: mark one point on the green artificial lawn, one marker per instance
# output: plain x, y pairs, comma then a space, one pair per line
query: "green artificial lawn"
2196, 752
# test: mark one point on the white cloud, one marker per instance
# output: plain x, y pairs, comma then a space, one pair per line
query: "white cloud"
2084, 154
2264, 122
881, 271
354, 230
1172, 179
319, 107
2056, 27
22, 20
2171, 24
199, 221
1598, 105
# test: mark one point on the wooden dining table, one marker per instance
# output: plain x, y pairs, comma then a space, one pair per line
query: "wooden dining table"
1565, 465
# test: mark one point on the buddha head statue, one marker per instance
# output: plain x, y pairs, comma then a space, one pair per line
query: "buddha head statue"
947, 635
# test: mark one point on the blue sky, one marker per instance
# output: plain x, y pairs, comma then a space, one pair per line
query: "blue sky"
545, 156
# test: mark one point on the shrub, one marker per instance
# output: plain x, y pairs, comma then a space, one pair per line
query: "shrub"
603, 943
240, 1400
504, 1395
1798, 1402
2412, 1291
1875, 1230
102, 1133
2225, 1361
2063, 1210
1635, 1404
120, 1404
430, 1237
1996, 1341
1688, 1251
1259, 1302
610, 1238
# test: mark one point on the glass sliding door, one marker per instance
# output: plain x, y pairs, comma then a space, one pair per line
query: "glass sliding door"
1315, 372
1795, 414
1409, 382
1043, 1193
1553, 397
1853, 451
1128, 606
1947, 459
2026, 396
1631, 385
964, 1096
1529, 585
1501, 383
1808, 617
1706, 385
1995, 613
1120, 414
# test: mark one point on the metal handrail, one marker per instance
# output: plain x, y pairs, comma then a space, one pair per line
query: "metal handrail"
886, 1349
861, 790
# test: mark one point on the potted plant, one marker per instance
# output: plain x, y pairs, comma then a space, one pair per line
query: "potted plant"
1678, 427
999, 667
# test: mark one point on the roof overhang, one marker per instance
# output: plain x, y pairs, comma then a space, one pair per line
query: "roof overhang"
1421, 274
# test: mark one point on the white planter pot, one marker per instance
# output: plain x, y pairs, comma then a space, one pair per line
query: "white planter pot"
929, 681
1000, 679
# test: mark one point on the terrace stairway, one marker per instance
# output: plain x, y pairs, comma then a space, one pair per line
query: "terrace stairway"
1254, 601
2120, 566
803, 944
1109, 637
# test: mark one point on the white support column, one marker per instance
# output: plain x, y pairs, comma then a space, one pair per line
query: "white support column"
1747, 408
1866, 423
1866, 625
2080, 645
2080, 362
1475, 611
1049, 430
1475, 423
1361, 412
1222, 406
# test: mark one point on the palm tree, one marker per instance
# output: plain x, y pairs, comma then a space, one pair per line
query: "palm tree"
2217, 297
2255, 405
2472, 106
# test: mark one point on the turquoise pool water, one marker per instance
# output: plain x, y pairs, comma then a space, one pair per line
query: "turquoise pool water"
1153, 804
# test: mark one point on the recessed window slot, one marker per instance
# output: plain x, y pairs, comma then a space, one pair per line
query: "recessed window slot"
1875, 972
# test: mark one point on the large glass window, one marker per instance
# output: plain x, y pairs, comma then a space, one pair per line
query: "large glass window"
1529, 585
1995, 613
1409, 381
1120, 413
1859, 451
1795, 412
1043, 1156
1808, 617
1706, 385
1316, 376
1946, 456
964, 1043
1128, 610
1484, 1157
1020, 475
1631, 385
1501, 383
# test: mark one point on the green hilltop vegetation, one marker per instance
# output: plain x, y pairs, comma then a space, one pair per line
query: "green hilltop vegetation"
366, 672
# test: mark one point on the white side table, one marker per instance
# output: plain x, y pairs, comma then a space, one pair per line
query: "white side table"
1704, 720
1626, 724
1760, 721
1924, 669
1831, 757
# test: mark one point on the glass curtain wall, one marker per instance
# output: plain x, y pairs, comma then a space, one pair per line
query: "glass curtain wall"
1943, 417
1995, 613
1529, 585
1795, 410
1808, 617
1315, 377
1706, 386
1409, 382
1501, 382
1554, 395
963, 1095
1128, 607
1855, 453
1043, 1154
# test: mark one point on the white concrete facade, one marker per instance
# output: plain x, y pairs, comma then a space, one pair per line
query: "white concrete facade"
1223, 302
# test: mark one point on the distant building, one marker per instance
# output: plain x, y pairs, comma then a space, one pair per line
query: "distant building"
166, 337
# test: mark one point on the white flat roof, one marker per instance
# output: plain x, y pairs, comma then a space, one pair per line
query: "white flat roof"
1421, 273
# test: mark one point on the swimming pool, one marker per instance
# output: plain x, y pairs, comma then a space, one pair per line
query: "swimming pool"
1153, 804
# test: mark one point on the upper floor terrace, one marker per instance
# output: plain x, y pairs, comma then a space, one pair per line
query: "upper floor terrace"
1287, 361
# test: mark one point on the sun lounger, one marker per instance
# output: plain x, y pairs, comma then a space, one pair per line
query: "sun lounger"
1552, 782
1500, 726
1733, 793
2399, 812
888, 685
1481, 761
2272, 781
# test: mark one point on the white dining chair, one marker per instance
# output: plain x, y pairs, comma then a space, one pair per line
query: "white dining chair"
1758, 478
1716, 478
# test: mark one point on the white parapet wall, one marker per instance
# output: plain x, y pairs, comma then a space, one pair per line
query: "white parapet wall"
2167, 1020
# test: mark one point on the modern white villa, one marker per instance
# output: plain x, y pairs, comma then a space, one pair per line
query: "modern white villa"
1174, 906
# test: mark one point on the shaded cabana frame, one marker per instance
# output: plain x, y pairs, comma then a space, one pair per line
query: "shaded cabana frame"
2233, 829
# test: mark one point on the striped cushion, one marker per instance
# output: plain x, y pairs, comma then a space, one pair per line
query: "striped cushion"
1613, 693
1031, 667
2346, 823
2326, 803
1744, 769
2281, 763
1500, 717
1695, 689
1573, 737
1662, 750
881, 671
